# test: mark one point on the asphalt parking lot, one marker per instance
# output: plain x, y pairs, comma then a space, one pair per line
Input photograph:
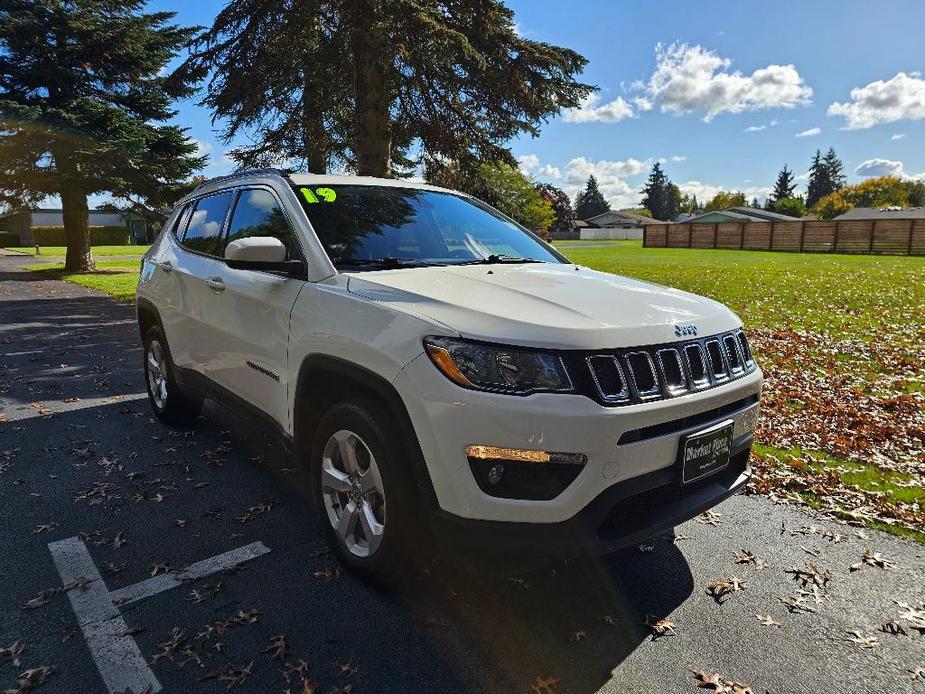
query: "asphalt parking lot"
134, 556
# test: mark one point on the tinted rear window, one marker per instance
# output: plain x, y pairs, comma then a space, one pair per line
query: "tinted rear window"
203, 234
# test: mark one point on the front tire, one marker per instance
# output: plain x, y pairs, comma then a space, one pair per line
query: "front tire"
363, 495
172, 404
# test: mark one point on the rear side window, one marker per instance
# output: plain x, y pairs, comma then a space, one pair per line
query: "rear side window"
182, 220
257, 213
204, 233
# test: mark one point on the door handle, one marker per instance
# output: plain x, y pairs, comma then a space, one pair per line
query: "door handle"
216, 284
166, 266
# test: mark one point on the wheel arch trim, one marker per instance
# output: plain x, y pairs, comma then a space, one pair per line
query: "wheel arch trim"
366, 380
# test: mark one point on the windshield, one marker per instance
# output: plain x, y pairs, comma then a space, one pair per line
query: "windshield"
375, 227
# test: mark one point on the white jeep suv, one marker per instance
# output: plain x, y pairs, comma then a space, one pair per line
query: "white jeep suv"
443, 372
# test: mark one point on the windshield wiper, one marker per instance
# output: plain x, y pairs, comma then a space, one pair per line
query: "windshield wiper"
494, 259
387, 263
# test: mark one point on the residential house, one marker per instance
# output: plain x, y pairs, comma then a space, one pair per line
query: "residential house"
738, 214
876, 213
613, 224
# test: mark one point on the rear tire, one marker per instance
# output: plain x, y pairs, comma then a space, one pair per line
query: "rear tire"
363, 494
172, 404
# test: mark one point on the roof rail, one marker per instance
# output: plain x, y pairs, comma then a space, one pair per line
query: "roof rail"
239, 174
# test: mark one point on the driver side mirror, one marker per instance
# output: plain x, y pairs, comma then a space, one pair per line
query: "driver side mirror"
262, 253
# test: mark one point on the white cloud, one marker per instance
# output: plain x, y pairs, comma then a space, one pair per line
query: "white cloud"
897, 136
677, 157
812, 132
880, 167
202, 147
693, 78
528, 162
705, 191
593, 111
611, 178
899, 98
549, 171
642, 103
755, 128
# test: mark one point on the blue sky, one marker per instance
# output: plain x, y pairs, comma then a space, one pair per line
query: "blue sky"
724, 93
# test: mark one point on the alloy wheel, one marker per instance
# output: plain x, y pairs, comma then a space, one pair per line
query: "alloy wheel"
353, 494
156, 369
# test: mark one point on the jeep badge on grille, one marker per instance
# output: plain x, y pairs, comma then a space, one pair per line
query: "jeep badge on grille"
685, 330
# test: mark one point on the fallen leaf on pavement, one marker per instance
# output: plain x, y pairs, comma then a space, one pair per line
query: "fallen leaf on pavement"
277, 647
660, 627
767, 620
203, 593
724, 586
12, 652
863, 641
797, 603
811, 575
349, 668
872, 558
544, 685
719, 684
160, 567
43, 598
709, 517
891, 626
750, 559
30, 679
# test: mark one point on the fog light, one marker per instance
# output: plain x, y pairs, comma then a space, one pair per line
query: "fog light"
495, 474
522, 455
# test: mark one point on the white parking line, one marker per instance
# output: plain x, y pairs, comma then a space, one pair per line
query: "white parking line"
117, 657
206, 567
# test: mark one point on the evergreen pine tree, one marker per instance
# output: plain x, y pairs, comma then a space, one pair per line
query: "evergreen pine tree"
591, 201
836, 170
755, 204
819, 184
656, 193
368, 82
783, 187
694, 203
83, 103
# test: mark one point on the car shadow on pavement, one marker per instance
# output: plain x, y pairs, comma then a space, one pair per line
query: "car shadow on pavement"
573, 621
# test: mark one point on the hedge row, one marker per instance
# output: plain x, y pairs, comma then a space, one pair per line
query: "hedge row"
99, 236
8, 239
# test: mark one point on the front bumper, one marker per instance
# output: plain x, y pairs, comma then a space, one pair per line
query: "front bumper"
624, 514
448, 418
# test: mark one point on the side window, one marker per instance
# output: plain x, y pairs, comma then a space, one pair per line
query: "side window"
258, 214
182, 220
204, 232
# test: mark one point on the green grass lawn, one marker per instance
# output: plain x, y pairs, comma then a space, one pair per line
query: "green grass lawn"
117, 278
841, 295
98, 251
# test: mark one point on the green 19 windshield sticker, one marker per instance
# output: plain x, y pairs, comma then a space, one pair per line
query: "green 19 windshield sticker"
325, 195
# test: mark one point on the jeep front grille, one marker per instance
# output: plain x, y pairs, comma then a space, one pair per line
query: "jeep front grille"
650, 373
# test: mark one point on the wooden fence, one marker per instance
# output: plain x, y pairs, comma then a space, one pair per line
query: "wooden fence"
880, 236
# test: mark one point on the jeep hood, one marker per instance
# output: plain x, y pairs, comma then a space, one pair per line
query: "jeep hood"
544, 305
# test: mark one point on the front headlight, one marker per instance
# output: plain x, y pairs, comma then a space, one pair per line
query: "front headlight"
498, 368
